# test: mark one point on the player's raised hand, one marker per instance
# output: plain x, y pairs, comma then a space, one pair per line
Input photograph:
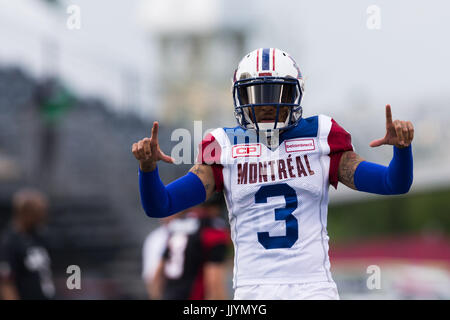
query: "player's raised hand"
398, 133
147, 151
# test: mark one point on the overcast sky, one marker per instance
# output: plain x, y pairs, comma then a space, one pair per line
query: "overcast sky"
406, 60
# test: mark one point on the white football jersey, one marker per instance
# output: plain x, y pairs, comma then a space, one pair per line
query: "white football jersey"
277, 198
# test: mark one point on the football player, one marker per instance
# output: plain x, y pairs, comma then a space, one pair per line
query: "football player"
275, 169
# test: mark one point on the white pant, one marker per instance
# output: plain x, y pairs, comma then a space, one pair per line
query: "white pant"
300, 291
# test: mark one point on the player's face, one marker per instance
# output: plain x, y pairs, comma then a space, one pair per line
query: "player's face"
34, 213
266, 114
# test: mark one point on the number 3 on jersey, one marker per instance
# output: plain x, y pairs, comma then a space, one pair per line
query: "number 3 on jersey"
290, 196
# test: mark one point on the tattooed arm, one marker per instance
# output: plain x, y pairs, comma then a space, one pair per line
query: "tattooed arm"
205, 173
347, 167
397, 178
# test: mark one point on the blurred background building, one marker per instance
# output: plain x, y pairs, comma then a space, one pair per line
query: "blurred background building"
73, 100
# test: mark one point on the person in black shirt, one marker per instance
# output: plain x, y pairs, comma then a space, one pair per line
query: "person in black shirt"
25, 271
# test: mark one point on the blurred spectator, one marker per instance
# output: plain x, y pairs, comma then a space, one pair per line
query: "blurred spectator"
53, 101
25, 268
153, 250
193, 265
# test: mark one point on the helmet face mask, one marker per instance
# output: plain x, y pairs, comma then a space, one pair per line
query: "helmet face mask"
250, 95
280, 88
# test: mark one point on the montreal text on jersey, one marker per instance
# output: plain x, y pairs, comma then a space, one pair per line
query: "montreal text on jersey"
253, 172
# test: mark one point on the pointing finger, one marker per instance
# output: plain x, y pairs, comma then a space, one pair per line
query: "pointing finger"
154, 139
388, 114
155, 131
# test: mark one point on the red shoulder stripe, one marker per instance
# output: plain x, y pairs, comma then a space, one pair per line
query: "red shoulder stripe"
209, 153
339, 141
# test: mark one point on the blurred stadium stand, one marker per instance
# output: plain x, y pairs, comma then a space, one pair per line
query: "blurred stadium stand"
96, 220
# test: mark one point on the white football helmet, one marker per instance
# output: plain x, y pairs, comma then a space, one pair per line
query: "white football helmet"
267, 77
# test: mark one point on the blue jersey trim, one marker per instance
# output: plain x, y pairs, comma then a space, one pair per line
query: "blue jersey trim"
305, 128
238, 135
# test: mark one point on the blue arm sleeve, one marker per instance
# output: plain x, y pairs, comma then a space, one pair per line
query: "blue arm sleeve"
395, 179
160, 201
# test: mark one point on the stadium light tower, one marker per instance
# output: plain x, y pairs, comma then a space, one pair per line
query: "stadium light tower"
196, 54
